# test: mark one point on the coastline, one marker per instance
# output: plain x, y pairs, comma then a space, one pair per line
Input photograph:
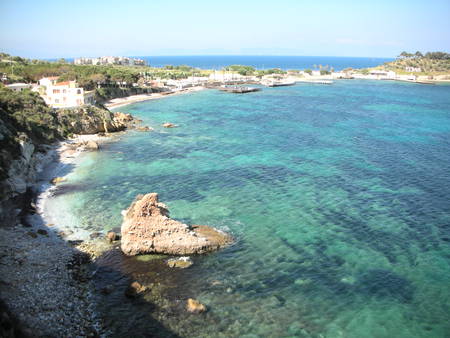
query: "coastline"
123, 101
51, 265
45, 282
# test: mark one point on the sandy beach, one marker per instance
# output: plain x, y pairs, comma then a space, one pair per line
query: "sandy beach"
123, 101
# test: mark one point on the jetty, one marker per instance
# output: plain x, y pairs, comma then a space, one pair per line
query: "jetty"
239, 89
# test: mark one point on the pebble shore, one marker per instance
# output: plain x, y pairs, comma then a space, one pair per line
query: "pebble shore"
43, 282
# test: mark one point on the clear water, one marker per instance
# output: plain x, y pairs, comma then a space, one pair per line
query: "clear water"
337, 196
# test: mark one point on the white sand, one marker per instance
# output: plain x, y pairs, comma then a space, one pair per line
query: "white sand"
122, 101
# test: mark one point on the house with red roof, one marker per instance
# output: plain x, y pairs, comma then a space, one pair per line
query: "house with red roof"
64, 94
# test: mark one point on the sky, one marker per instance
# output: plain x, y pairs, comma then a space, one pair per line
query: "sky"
382, 28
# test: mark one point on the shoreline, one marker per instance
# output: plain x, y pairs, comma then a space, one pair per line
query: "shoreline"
47, 263
123, 101
46, 284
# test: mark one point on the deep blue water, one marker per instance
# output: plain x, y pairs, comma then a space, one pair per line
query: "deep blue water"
261, 61
265, 62
337, 195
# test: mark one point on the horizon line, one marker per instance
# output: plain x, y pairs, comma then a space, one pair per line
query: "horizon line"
190, 55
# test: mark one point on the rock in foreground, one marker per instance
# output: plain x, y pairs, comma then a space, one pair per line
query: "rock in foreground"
147, 228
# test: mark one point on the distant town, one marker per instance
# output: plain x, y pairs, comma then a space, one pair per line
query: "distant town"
97, 80
110, 60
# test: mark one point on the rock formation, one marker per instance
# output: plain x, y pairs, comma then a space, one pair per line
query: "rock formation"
147, 228
194, 306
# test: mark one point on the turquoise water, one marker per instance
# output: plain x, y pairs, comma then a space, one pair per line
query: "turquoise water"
337, 196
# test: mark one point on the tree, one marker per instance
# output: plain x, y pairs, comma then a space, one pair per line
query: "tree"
437, 56
418, 54
308, 71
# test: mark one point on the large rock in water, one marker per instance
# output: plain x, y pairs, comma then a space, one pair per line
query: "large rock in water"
147, 228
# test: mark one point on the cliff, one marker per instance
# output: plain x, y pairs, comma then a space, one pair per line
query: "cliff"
27, 128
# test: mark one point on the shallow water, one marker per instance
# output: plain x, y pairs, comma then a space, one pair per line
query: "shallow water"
337, 196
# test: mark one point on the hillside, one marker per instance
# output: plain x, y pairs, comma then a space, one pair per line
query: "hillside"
28, 126
432, 63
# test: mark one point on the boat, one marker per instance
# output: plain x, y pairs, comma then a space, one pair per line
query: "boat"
273, 83
239, 89
317, 81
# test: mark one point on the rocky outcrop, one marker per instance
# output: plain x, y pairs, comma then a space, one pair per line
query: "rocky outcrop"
194, 306
93, 120
147, 228
169, 125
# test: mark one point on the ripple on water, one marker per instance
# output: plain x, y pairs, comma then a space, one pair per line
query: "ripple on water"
338, 196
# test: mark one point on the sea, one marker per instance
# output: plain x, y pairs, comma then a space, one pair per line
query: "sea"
337, 197
266, 62
261, 61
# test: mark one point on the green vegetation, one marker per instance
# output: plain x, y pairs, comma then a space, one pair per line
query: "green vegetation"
261, 73
109, 81
251, 71
88, 76
364, 71
430, 63
308, 71
25, 116
243, 70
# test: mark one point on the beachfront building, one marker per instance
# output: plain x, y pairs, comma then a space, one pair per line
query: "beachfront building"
110, 60
18, 87
226, 76
377, 74
64, 94
413, 69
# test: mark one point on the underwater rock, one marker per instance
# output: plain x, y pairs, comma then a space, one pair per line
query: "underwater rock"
91, 145
134, 289
147, 228
57, 180
111, 236
145, 128
169, 125
194, 306
181, 262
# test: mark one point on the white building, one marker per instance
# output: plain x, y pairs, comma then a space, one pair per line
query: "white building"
18, 87
64, 94
227, 76
110, 60
413, 69
383, 74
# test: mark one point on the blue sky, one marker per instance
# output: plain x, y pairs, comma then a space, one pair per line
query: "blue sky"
48, 28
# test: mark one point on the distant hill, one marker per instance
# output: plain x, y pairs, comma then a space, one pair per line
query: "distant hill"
431, 63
